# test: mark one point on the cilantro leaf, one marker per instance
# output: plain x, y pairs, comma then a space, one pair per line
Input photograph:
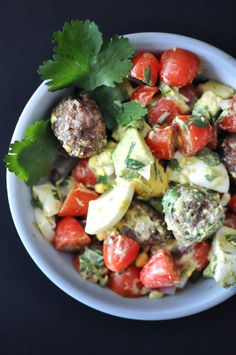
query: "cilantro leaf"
109, 101
31, 157
131, 114
83, 57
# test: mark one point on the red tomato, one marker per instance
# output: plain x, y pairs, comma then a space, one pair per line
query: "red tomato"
228, 123
70, 235
213, 138
191, 139
82, 173
200, 254
77, 201
163, 106
145, 67
119, 252
162, 141
76, 262
190, 92
232, 203
160, 271
230, 220
178, 67
127, 283
144, 94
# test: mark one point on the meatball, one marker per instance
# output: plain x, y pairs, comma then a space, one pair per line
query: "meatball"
229, 154
192, 213
144, 224
78, 125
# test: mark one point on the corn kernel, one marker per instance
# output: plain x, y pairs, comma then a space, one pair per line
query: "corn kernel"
141, 259
101, 188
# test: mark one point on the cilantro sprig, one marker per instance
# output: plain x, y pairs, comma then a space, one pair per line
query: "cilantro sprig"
30, 158
83, 57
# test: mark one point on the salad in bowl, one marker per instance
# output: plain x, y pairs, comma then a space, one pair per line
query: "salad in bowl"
132, 171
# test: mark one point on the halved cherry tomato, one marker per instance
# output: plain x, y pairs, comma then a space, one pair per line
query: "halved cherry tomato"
191, 138
127, 283
160, 271
119, 251
200, 254
82, 173
164, 108
232, 203
76, 203
76, 262
144, 94
228, 123
145, 67
162, 142
178, 67
230, 220
191, 93
70, 235
212, 144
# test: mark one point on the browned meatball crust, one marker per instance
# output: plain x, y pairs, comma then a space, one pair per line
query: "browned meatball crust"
78, 125
229, 154
144, 224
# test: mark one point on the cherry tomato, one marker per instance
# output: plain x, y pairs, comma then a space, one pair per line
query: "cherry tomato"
178, 67
200, 254
162, 142
191, 93
145, 67
164, 108
70, 235
77, 201
232, 203
228, 123
82, 173
144, 94
191, 138
119, 251
127, 283
230, 220
160, 271
212, 144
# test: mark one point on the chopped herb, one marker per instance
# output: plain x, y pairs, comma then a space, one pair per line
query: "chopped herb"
133, 163
210, 177
131, 114
92, 266
200, 121
56, 194
147, 75
102, 179
37, 202
209, 157
231, 238
163, 117
174, 165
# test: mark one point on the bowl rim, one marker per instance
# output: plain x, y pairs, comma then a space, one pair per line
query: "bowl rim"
54, 276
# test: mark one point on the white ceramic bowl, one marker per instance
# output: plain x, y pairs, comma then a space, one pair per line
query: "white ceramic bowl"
57, 266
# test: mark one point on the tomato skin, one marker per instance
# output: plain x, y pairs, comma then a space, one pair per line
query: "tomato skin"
191, 139
145, 63
162, 142
163, 105
228, 123
178, 67
127, 283
230, 220
77, 201
143, 94
82, 173
212, 144
119, 252
232, 203
191, 93
200, 254
160, 271
70, 235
